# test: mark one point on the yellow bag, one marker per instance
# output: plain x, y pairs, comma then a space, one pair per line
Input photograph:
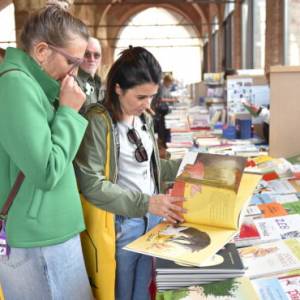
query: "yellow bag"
98, 243
1, 294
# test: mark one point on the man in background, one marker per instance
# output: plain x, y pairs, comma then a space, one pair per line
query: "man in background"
88, 80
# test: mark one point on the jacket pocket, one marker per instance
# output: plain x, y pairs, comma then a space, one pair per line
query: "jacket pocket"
36, 203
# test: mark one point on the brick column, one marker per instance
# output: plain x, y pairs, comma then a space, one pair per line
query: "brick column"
274, 33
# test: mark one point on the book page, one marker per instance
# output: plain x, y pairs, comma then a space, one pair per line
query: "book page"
188, 243
210, 169
213, 206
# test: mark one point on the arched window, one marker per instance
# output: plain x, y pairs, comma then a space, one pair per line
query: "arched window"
292, 32
170, 37
253, 34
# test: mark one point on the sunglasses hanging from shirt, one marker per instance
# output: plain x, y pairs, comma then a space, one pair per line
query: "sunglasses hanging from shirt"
140, 152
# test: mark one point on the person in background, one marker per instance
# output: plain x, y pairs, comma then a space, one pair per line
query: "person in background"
133, 190
40, 132
87, 76
262, 112
167, 85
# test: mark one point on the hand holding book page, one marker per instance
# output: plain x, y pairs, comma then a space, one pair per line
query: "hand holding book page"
216, 191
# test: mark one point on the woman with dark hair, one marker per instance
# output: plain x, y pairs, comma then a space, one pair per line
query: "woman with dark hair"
40, 132
120, 138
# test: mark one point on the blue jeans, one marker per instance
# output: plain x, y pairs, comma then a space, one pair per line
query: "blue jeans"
45, 273
134, 271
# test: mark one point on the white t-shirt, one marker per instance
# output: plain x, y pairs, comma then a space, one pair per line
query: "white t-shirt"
134, 175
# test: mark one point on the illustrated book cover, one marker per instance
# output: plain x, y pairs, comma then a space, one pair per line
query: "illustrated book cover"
239, 288
272, 258
216, 191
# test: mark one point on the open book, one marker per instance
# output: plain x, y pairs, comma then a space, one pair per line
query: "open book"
216, 191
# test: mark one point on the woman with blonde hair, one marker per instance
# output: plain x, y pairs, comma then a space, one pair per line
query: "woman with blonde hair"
40, 132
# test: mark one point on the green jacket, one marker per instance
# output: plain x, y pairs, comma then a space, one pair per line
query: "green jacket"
91, 87
90, 165
42, 142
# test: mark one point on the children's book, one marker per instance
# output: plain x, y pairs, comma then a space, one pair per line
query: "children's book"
239, 288
281, 287
278, 186
226, 263
257, 231
273, 209
226, 260
267, 198
216, 191
271, 258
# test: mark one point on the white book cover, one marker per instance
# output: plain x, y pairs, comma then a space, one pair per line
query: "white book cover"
271, 258
278, 227
284, 198
277, 186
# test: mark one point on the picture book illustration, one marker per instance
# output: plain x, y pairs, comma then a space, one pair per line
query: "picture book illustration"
216, 192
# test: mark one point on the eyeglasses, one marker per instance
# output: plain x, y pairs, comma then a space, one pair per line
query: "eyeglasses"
89, 55
71, 60
140, 152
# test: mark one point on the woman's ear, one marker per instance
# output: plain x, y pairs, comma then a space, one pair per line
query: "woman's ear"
40, 52
118, 89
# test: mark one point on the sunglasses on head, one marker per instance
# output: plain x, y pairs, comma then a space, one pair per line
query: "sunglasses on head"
140, 152
89, 54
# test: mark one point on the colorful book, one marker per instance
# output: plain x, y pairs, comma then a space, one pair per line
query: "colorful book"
273, 209
257, 231
280, 288
267, 165
267, 198
239, 288
271, 258
216, 191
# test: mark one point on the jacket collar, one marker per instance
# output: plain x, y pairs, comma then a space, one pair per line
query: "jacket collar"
84, 76
27, 64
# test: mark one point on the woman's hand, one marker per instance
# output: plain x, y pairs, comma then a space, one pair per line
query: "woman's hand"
71, 94
167, 206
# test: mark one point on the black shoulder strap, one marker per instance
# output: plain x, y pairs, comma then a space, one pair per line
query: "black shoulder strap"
9, 70
18, 182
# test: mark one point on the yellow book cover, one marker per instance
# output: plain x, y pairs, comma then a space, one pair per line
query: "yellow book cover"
216, 191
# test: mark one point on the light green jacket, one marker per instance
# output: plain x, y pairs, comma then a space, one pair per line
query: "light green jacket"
90, 165
42, 142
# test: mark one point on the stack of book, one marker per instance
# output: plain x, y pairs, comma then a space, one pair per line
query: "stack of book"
225, 264
224, 203
239, 288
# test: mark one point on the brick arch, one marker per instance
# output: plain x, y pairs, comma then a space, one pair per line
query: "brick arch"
114, 15
5, 3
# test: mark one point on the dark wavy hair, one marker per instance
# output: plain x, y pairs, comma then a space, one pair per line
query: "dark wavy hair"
134, 67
